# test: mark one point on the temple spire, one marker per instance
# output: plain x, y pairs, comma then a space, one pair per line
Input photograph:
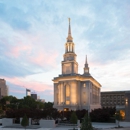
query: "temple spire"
69, 38
86, 60
86, 68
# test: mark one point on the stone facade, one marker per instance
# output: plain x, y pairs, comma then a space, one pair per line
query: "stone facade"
73, 91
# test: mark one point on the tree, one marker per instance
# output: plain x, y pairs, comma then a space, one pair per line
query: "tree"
73, 119
86, 124
48, 105
25, 121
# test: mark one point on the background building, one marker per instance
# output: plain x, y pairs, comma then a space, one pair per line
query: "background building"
41, 100
3, 88
28, 92
118, 99
73, 91
34, 95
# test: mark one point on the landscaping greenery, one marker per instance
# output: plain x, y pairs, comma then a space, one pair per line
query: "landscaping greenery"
86, 124
25, 121
73, 119
103, 115
11, 107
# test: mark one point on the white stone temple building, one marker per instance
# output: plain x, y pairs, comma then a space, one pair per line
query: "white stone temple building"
73, 91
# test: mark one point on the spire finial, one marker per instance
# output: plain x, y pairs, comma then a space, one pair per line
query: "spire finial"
69, 38
69, 20
86, 60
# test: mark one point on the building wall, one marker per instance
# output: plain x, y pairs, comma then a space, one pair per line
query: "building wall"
111, 99
34, 96
127, 106
74, 95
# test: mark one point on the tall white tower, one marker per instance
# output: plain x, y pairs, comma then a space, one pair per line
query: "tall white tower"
69, 64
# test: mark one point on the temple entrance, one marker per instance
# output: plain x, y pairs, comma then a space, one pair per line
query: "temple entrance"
122, 112
66, 109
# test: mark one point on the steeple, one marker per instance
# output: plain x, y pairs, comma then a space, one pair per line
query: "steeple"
86, 68
86, 63
69, 63
69, 46
69, 38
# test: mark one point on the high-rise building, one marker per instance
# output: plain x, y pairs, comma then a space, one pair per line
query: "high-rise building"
3, 88
34, 96
73, 91
28, 92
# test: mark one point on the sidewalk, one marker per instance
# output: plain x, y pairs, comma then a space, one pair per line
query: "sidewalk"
110, 125
100, 126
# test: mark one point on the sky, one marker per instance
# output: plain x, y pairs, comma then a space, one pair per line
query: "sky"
33, 34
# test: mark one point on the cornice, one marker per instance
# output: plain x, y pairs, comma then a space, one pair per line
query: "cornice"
77, 78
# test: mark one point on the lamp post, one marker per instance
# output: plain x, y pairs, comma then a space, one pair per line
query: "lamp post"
17, 104
88, 110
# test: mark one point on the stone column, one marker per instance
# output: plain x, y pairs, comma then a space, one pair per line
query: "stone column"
64, 93
61, 93
55, 94
72, 48
65, 48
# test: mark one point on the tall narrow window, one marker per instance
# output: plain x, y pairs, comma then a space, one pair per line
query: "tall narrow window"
67, 91
67, 95
68, 48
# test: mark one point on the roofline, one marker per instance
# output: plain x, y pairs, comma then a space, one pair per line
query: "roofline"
115, 91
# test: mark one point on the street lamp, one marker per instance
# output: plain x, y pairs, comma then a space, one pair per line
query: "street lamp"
17, 104
88, 110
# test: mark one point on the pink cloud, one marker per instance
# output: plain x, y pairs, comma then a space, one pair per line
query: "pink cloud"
44, 58
17, 50
34, 85
35, 53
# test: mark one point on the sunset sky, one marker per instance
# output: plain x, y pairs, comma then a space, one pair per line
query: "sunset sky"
33, 34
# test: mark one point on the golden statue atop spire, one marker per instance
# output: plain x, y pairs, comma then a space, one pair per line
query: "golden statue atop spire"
69, 20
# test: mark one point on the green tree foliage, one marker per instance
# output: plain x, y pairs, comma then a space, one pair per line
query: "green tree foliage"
28, 102
11, 100
102, 114
40, 105
25, 121
73, 119
48, 105
86, 124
